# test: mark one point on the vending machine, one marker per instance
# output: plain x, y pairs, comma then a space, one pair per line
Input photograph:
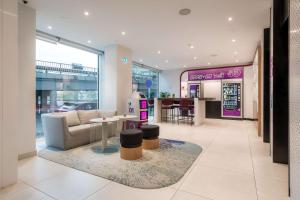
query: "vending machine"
232, 100
194, 90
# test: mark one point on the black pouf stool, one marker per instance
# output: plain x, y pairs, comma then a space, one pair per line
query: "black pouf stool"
150, 136
131, 144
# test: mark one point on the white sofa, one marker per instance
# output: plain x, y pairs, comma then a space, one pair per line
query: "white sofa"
67, 130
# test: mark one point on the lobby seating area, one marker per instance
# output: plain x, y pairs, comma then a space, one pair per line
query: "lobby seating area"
143, 100
72, 129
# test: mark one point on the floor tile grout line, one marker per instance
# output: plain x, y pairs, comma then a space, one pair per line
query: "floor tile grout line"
40, 190
208, 198
102, 188
197, 162
253, 167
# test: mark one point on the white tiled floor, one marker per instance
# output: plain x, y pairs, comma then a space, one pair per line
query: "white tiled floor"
235, 165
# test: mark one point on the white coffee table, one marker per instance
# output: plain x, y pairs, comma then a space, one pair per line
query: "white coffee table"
104, 123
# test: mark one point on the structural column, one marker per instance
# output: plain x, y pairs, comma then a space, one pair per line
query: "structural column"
117, 78
9, 90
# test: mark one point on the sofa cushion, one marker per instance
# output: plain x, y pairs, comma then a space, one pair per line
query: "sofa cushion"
86, 115
86, 129
107, 113
71, 117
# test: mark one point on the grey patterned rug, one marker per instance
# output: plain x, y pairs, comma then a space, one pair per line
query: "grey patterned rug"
158, 168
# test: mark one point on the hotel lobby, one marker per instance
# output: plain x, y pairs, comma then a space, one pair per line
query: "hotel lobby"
168, 100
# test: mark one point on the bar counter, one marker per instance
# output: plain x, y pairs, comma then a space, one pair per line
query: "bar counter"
199, 109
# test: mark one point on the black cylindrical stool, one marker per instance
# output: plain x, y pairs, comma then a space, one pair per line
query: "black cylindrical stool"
131, 144
150, 136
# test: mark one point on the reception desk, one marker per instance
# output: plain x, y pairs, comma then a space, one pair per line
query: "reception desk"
199, 109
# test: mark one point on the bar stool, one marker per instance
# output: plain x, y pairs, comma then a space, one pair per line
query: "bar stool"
186, 110
167, 105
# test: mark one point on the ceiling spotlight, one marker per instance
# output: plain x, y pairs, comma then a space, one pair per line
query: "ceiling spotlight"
123, 33
233, 40
208, 63
141, 60
191, 46
89, 41
236, 61
158, 52
185, 11
166, 61
184, 66
195, 58
230, 19
235, 53
86, 13
50, 27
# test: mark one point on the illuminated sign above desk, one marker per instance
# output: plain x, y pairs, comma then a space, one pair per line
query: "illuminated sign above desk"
216, 74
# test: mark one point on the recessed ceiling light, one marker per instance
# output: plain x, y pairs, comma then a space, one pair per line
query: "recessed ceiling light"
158, 52
86, 13
123, 33
230, 19
195, 58
141, 60
191, 46
166, 61
184, 66
208, 63
236, 61
235, 53
50, 27
233, 40
89, 41
185, 11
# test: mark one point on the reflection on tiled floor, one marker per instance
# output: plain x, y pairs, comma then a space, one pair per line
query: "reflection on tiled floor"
235, 165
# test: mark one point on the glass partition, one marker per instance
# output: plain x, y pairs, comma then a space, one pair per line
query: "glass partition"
146, 80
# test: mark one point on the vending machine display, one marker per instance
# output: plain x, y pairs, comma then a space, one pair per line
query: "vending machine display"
194, 90
232, 99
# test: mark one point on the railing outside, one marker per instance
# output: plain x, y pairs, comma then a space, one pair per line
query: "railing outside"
62, 67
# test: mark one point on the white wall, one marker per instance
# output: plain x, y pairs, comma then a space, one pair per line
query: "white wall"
212, 89
294, 104
9, 106
169, 81
117, 78
27, 38
249, 94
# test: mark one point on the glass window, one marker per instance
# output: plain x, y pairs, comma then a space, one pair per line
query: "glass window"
145, 80
66, 79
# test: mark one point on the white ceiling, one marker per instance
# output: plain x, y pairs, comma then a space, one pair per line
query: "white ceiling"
153, 25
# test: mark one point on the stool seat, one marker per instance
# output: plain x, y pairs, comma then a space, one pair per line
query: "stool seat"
131, 138
150, 137
131, 144
150, 132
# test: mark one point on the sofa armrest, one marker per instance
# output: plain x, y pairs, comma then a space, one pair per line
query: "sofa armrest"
55, 130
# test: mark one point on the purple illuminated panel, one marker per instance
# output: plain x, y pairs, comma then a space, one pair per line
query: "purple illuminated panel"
216, 74
143, 104
144, 115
